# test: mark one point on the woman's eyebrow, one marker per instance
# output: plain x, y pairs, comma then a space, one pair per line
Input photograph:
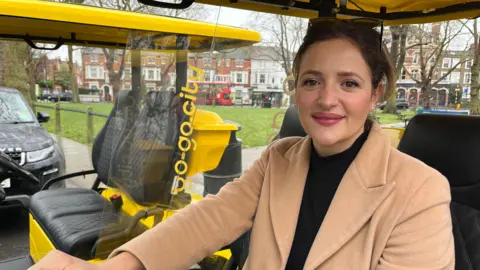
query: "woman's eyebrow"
349, 74
312, 72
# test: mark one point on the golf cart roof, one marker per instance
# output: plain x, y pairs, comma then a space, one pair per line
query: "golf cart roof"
392, 12
51, 22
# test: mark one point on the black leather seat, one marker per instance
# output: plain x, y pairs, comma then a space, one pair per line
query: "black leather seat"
74, 219
290, 127
451, 145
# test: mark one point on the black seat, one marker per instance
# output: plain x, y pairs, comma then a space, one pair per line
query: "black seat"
450, 144
73, 218
291, 127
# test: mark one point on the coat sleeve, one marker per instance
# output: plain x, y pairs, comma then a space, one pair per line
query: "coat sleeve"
423, 237
201, 229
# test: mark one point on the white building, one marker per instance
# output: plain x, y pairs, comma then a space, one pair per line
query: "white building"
267, 75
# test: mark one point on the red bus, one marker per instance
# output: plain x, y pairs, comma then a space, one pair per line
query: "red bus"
222, 98
223, 95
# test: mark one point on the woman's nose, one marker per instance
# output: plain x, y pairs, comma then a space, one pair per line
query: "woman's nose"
327, 97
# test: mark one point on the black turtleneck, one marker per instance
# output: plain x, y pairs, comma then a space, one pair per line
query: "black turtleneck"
324, 176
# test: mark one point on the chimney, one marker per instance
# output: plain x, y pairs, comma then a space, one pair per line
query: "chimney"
436, 27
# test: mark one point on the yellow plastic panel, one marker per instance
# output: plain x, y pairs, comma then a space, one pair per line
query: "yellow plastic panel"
40, 244
395, 135
210, 137
367, 5
93, 24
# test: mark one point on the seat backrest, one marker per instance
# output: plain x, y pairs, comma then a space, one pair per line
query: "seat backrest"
143, 162
109, 136
291, 125
451, 145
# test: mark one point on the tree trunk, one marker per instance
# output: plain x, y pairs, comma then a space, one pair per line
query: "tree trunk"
32, 85
425, 91
3, 59
475, 87
73, 79
394, 51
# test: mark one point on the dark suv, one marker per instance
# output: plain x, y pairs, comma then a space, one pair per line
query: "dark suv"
28, 143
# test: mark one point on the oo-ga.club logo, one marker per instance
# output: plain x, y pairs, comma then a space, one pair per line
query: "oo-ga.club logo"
185, 143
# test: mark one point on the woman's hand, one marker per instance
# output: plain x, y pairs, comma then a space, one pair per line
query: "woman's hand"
58, 260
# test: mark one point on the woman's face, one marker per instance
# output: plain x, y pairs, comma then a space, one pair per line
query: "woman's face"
334, 94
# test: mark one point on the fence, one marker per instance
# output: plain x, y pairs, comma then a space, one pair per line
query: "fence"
89, 114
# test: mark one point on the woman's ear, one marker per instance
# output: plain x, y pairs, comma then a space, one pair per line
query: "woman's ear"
378, 94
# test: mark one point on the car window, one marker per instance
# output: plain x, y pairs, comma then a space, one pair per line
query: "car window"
14, 109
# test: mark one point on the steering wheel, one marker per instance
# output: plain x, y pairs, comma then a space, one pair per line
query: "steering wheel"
9, 168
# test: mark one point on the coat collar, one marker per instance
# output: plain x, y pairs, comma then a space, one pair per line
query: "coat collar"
363, 188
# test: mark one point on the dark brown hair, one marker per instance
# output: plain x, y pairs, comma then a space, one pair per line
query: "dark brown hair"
364, 36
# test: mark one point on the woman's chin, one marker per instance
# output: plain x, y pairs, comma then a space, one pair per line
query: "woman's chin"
326, 138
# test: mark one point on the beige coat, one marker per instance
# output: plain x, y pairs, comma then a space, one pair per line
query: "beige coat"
390, 211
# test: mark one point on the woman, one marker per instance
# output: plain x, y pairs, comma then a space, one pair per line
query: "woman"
340, 198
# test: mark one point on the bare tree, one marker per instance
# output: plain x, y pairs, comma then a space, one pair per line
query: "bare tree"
397, 50
433, 42
283, 34
472, 26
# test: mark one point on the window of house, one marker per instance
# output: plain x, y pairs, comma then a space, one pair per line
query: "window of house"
93, 85
93, 72
151, 74
151, 60
455, 77
446, 63
94, 58
208, 77
262, 78
415, 74
239, 77
468, 78
468, 64
416, 58
273, 80
227, 62
455, 61
403, 75
151, 86
163, 60
447, 78
127, 74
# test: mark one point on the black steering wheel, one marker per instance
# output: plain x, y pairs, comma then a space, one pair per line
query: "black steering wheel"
9, 168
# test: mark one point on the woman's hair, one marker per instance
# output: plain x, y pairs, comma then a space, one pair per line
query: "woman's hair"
367, 39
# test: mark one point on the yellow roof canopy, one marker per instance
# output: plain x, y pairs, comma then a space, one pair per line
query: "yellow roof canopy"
59, 23
392, 12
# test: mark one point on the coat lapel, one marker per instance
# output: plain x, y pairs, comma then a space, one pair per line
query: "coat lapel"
361, 191
286, 191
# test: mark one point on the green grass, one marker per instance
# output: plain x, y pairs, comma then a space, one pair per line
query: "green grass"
392, 118
256, 123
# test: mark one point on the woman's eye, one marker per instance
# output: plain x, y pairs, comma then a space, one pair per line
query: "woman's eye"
310, 83
350, 84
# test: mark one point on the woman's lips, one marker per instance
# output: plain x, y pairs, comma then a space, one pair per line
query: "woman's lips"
327, 119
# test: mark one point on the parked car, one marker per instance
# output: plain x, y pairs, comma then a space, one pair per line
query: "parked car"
24, 139
55, 97
401, 105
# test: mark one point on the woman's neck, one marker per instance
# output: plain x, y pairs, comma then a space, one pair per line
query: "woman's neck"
339, 147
